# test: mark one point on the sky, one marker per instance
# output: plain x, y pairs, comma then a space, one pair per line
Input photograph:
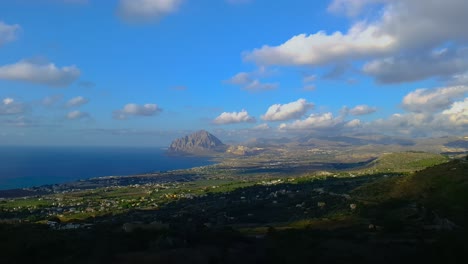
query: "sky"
143, 72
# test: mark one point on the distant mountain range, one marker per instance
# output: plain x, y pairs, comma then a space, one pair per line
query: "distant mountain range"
204, 143
200, 142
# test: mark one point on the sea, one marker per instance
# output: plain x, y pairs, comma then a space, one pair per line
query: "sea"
22, 166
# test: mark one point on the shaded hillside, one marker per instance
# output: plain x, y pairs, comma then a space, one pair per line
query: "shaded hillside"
442, 189
200, 142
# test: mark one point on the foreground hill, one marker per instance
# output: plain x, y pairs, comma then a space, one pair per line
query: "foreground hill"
441, 190
200, 142
395, 216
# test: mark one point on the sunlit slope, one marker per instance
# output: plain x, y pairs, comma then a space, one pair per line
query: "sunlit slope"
406, 161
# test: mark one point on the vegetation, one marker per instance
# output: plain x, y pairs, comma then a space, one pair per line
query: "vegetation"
225, 215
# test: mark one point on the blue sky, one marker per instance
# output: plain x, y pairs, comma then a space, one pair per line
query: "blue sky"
141, 72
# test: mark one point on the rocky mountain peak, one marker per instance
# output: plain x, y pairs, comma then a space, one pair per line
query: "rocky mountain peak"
197, 143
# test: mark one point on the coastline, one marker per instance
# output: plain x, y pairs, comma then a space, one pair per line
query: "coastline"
28, 167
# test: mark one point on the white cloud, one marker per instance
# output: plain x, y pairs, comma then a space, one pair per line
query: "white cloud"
146, 10
432, 100
361, 41
8, 101
353, 123
74, 115
263, 126
458, 113
314, 121
8, 32
362, 110
10, 107
248, 82
47, 74
242, 78
401, 44
77, 101
137, 110
407, 124
296, 109
450, 121
233, 118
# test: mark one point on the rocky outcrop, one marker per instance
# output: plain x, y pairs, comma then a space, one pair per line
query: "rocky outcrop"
200, 142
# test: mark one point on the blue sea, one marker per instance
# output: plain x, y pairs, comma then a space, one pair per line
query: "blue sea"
34, 166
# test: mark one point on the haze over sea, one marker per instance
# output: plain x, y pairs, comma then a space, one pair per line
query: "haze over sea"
34, 166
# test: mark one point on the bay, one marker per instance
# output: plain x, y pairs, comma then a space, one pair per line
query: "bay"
34, 166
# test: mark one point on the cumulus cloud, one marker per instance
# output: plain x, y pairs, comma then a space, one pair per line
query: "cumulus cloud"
8, 32
249, 83
74, 115
450, 120
137, 110
242, 78
9, 106
147, 10
77, 101
47, 74
233, 118
361, 41
314, 121
457, 114
402, 44
296, 109
406, 124
8, 101
432, 100
353, 123
362, 110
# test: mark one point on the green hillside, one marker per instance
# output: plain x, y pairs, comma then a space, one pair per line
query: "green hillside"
406, 161
442, 189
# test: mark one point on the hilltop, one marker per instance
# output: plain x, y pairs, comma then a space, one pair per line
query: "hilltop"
200, 142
